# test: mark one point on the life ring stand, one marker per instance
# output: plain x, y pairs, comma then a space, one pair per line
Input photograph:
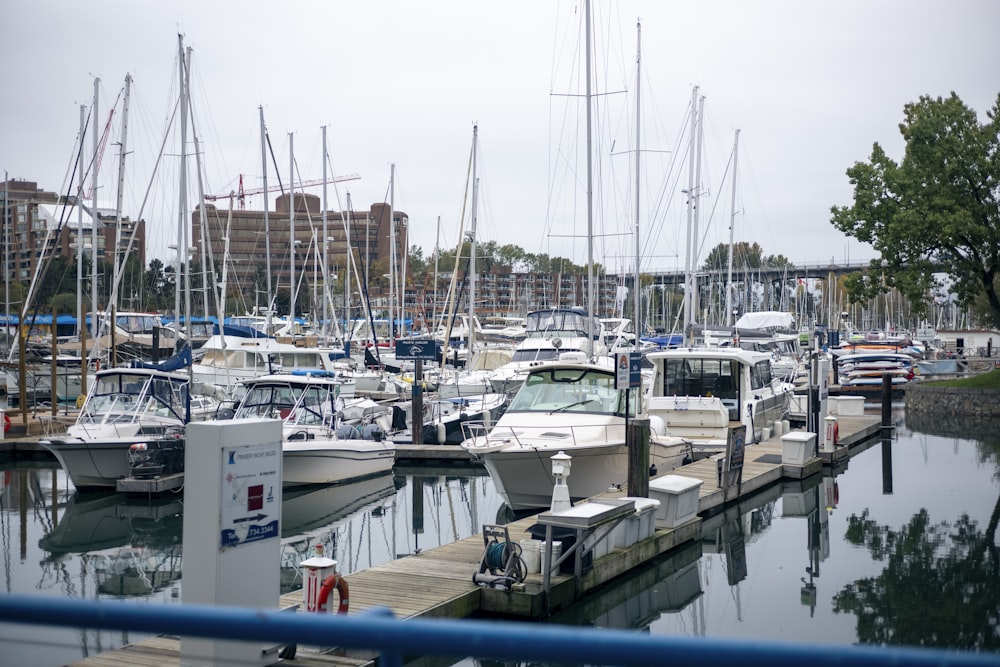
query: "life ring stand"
334, 581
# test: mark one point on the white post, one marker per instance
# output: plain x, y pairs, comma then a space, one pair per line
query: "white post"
232, 542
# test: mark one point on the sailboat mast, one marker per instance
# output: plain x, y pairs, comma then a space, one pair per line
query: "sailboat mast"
392, 255
182, 189
437, 252
121, 188
187, 231
205, 240
637, 326
590, 205
326, 263
690, 216
291, 233
93, 214
732, 225
348, 258
695, 242
267, 224
472, 239
81, 325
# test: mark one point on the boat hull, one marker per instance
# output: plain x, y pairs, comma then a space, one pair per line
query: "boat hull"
330, 461
523, 474
93, 464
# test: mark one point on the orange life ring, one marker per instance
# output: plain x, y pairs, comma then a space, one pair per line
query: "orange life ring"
331, 582
836, 433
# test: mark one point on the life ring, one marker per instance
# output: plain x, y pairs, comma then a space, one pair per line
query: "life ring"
332, 582
80, 400
836, 433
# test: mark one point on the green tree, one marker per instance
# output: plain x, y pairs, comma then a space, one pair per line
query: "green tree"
157, 286
64, 303
745, 256
936, 210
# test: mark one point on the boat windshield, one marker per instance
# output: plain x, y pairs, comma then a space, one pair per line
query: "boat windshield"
294, 403
569, 390
562, 322
119, 396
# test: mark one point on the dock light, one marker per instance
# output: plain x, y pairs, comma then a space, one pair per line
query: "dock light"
561, 464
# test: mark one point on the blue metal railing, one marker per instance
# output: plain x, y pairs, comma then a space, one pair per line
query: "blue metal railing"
378, 630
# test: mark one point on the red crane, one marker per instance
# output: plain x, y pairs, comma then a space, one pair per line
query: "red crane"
242, 194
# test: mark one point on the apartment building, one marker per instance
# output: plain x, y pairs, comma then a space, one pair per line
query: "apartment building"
37, 222
369, 234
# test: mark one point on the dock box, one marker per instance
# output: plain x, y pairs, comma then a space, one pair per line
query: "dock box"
847, 406
797, 447
678, 497
637, 527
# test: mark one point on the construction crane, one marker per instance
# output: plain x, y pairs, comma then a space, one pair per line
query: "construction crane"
242, 194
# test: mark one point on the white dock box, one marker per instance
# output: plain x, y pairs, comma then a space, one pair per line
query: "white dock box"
797, 447
637, 527
678, 496
849, 406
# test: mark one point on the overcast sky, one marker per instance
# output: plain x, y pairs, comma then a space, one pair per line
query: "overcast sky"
810, 86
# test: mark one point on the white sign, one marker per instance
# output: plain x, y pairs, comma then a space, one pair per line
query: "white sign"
621, 370
251, 498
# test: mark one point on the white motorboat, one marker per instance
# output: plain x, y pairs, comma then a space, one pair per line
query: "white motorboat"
698, 392
550, 334
227, 359
316, 447
126, 406
570, 406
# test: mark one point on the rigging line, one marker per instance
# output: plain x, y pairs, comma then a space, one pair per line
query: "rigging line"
42, 267
711, 214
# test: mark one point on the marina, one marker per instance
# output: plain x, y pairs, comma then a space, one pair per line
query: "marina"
435, 579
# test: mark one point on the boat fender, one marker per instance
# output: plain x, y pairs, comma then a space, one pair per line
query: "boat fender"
442, 433
334, 581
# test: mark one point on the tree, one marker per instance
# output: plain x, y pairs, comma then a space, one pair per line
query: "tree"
935, 211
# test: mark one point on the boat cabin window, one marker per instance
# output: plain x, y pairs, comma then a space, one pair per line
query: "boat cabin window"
701, 377
760, 375
536, 355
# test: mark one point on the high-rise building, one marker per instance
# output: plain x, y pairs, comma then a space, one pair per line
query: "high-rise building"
244, 244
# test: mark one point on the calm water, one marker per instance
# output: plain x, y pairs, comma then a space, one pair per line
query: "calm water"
899, 547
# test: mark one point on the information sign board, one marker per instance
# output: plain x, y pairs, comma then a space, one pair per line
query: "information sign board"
251, 504
416, 350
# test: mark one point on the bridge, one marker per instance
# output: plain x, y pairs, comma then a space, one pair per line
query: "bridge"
821, 270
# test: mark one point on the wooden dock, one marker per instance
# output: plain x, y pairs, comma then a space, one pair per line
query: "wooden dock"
437, 583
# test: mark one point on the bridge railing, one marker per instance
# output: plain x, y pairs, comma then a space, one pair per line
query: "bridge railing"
378, 630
